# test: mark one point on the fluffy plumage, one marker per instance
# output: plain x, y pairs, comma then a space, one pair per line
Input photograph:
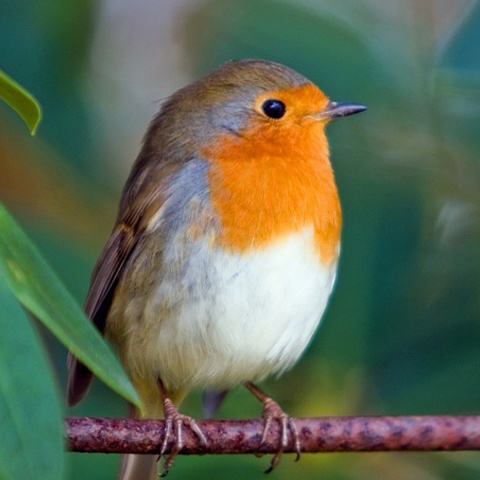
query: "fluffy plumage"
223, 256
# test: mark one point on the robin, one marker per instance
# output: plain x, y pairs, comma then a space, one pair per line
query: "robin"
225, 250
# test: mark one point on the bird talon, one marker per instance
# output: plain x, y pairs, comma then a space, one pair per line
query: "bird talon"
168, 432
273, 411
294, 430
174, 421
163, 474
274, 462
168, 464
192, 424
266, 428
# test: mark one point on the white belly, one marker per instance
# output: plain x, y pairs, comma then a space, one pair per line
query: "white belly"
241, 317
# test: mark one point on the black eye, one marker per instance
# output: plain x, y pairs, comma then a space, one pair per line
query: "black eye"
274, 108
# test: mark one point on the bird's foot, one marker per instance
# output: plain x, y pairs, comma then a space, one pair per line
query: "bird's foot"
272, 411
174, 422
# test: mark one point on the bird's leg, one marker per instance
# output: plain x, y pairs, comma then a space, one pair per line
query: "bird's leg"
174, 422
273, 411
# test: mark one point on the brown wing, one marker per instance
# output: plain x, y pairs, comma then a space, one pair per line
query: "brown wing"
138, 210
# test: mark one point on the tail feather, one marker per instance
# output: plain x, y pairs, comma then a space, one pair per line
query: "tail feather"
139, 467
79, 380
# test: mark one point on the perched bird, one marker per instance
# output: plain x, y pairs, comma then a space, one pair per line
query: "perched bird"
225, 250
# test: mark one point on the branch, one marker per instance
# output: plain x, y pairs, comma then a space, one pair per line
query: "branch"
326, 434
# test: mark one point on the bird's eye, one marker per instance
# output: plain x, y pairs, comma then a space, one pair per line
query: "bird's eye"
274, 109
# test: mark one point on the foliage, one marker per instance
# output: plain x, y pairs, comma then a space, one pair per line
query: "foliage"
21, 101
31, 433
31, 429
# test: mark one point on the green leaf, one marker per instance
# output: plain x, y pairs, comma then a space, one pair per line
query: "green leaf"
40, 291
31, 427
21, 101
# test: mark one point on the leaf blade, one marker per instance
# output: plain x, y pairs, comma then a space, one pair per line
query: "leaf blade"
24, 103
31, 426
40, 291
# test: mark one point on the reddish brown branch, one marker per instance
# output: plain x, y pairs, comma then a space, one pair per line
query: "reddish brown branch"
335, 434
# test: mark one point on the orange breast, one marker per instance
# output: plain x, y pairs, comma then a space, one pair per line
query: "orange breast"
273, 181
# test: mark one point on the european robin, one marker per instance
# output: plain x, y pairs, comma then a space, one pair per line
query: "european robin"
225, 249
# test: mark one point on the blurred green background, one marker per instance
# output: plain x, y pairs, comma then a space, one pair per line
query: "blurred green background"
402, 332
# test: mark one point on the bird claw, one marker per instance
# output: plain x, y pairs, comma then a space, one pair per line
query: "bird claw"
174, 421
273, 411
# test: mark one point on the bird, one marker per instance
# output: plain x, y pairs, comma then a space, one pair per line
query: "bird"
225, 249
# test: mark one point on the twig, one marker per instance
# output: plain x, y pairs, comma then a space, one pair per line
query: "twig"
334, 434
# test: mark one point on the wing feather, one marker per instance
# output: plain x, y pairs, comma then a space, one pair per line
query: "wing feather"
108, 271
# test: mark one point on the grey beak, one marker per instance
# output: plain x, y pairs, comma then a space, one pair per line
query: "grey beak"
335, 109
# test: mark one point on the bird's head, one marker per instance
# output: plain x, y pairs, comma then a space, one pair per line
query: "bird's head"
248, 100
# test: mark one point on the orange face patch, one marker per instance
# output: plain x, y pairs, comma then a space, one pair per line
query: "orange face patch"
301, 102
276, 179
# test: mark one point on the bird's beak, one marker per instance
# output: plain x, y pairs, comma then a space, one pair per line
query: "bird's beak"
336, 110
